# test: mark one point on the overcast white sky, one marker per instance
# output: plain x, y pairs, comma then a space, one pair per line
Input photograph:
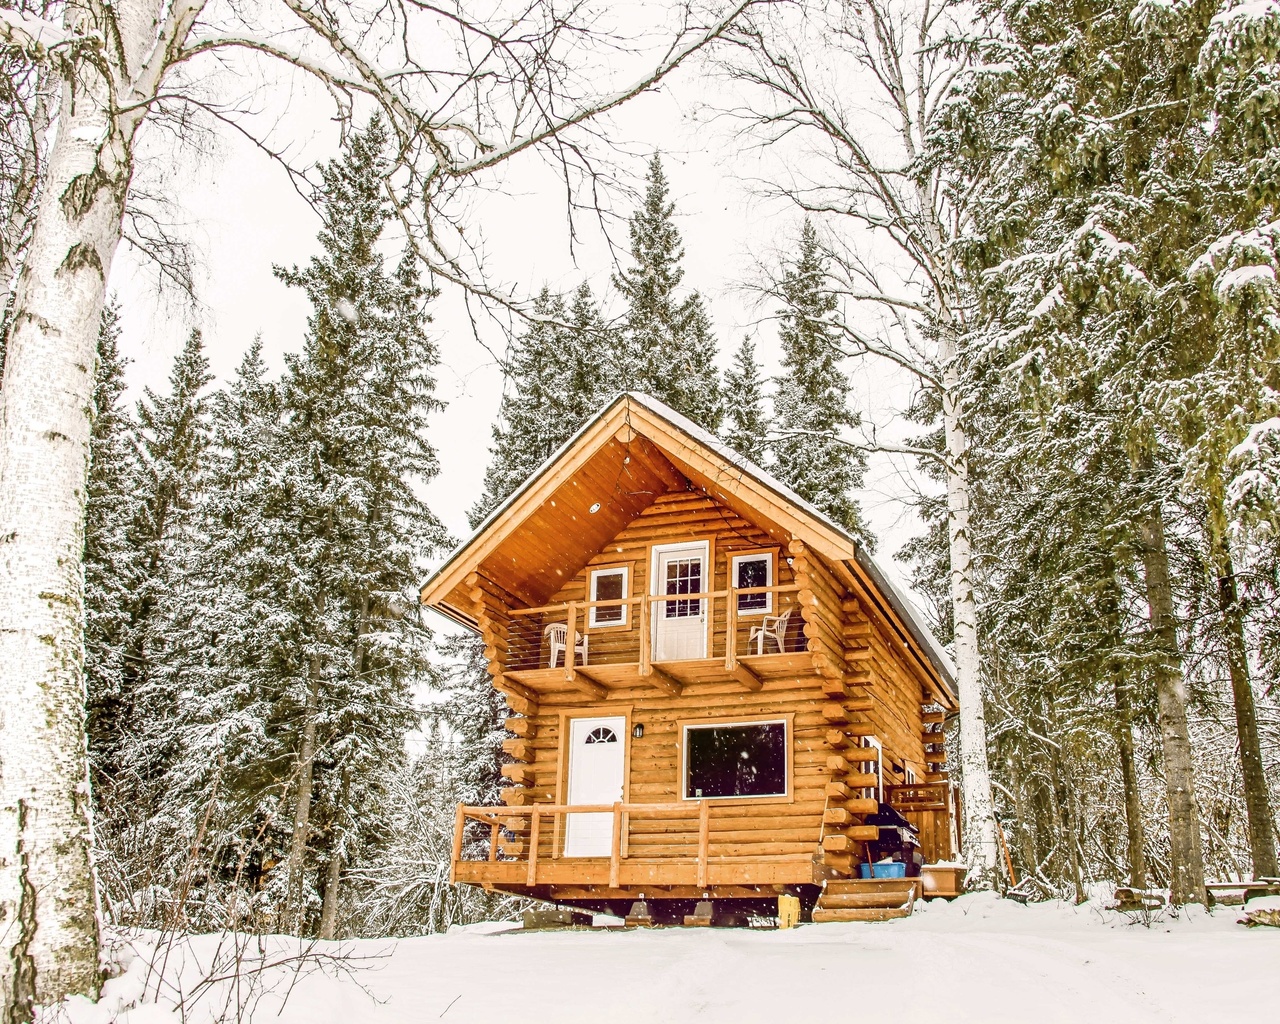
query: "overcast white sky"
245, 217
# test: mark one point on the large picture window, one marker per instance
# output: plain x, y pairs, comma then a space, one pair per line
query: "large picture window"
609, 584
741, 759
753, 570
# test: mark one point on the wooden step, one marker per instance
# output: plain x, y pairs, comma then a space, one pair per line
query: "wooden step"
842, 886
888, 899
823, 916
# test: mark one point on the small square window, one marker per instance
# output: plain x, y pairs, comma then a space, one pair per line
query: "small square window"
750, 571
609, 585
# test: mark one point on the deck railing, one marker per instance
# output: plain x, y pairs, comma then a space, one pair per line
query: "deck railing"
543, 833
729, 634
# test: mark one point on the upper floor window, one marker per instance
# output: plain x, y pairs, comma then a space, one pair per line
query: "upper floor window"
609, 584
753, 570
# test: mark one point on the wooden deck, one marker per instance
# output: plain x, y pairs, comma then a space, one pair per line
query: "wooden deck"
524, 851
665, 676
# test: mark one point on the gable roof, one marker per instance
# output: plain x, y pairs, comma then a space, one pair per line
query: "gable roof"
656, 449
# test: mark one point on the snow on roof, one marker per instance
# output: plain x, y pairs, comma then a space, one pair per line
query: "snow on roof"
899, 601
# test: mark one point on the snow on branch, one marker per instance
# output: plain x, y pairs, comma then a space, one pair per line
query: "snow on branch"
38, 38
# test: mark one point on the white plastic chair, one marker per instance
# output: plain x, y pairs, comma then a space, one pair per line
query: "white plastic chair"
558, 637
773, 627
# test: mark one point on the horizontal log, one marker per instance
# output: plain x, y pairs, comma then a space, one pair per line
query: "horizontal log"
518, 773
862, 805
837, 816
933, 718
837, 790
520, 749
522, 727
844, 712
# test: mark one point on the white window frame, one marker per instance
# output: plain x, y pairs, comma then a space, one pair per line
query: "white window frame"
787, 754
611, 570
909, 775
871, 741
754, 556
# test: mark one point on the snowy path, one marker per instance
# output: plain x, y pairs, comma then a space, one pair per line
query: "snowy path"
976, 960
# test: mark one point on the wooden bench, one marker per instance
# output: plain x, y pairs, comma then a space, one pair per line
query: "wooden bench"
1265, 886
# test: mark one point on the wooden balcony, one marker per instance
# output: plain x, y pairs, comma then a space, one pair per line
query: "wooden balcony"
740, 649
681, 847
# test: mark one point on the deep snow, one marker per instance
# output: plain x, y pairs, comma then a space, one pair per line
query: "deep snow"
979, 959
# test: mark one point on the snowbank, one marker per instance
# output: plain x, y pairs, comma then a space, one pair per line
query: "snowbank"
978, 959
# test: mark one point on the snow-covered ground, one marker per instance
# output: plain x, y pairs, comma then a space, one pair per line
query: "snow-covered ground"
977, 959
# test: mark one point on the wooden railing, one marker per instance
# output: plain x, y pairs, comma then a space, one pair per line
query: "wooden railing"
527, 647
508, 819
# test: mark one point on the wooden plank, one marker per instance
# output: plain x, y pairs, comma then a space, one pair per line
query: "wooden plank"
459, 823
495, 830
663, 681
581, 680
514, 689
570, 641
615, 849
747, 678
646, 654
535, 827
933, 718
704, 829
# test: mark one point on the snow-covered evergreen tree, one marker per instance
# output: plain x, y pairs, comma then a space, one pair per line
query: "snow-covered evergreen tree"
555, 382
174, 437
746, 428
354, 445
111, 563
666, 349
811, 455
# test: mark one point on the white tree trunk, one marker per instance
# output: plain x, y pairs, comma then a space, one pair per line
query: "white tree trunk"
981, 851
48, 947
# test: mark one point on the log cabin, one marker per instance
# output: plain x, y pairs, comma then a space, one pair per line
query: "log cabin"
717, 697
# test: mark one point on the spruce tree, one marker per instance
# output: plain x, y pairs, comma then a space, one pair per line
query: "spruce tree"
555, 382
746, 430
667, 349
111, 564
356, 403
810, 400
174, 436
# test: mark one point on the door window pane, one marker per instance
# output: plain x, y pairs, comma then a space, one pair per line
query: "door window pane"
684, 576
736, 760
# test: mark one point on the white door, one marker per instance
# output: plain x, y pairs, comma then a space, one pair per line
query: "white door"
597, 749
680, 626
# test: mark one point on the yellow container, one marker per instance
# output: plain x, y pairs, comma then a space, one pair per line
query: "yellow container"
788, 911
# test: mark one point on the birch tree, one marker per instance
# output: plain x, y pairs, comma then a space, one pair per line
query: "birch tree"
855, 89
461, 95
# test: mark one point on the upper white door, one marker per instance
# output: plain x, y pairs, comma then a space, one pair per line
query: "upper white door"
597, 753
680, 626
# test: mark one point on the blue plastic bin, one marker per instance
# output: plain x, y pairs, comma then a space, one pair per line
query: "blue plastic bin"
892, 870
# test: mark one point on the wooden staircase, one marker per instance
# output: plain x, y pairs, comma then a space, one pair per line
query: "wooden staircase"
866, 899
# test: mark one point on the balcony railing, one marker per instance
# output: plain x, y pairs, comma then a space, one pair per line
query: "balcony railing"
534, 835
732, 634
667, 844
